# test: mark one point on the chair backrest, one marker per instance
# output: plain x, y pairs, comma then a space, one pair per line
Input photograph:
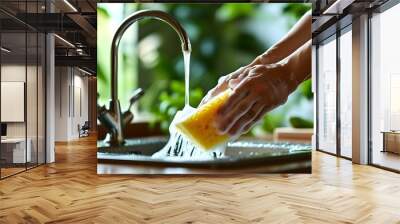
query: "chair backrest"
86, 124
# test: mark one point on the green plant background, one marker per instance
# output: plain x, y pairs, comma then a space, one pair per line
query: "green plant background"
223, 37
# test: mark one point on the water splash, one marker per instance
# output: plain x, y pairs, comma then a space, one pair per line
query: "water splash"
179, 147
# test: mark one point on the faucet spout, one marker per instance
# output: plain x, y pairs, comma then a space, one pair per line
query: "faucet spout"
118, 121
156, 14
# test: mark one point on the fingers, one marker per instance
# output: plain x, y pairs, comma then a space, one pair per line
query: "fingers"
256, 90
240, 92
225, 121
236, 81
256, 119
213, 92
206, 98
245, 119
233, 83
223, 84
237, 73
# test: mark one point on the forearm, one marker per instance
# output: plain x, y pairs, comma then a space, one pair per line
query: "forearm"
261, 89
298, 65
295, 38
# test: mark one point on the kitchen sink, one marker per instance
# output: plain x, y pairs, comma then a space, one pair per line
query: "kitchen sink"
242, 154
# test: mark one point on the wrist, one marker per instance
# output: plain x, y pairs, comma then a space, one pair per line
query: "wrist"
271, 56
288, 75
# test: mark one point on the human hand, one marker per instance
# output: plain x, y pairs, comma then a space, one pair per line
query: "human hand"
269, 57
223, 84
256, 91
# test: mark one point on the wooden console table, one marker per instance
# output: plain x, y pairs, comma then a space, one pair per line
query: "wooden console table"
391, 141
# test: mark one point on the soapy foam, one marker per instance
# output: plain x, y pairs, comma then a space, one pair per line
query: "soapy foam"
198, 124
180, 147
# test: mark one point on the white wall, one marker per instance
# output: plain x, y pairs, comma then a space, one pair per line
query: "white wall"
12, 73
80, 100
71, 94
61, 103
33, 126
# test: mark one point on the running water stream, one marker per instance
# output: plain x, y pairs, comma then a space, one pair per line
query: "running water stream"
186, 60
177, 145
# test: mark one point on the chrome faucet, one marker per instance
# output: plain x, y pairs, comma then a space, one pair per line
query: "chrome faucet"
113, 119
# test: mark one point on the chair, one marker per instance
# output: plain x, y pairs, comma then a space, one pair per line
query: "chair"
84, 130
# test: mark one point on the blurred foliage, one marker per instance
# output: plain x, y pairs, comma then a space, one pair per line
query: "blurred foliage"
298, 122
224, 37
272, 121
296, 10
305, 89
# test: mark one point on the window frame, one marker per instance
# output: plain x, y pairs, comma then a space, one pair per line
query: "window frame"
29, 29
338, 29
332, 37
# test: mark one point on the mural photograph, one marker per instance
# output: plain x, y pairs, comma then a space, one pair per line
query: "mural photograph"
204, 88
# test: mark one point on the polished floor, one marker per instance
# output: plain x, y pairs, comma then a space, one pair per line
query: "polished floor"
9, 171
386, 159
70, 191
5, 172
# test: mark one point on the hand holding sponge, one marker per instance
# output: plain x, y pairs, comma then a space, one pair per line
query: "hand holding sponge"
198, 126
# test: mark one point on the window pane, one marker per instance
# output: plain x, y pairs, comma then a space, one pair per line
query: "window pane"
327, 97
385, 114
346, 94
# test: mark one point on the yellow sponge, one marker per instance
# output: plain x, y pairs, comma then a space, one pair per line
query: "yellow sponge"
199, 128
